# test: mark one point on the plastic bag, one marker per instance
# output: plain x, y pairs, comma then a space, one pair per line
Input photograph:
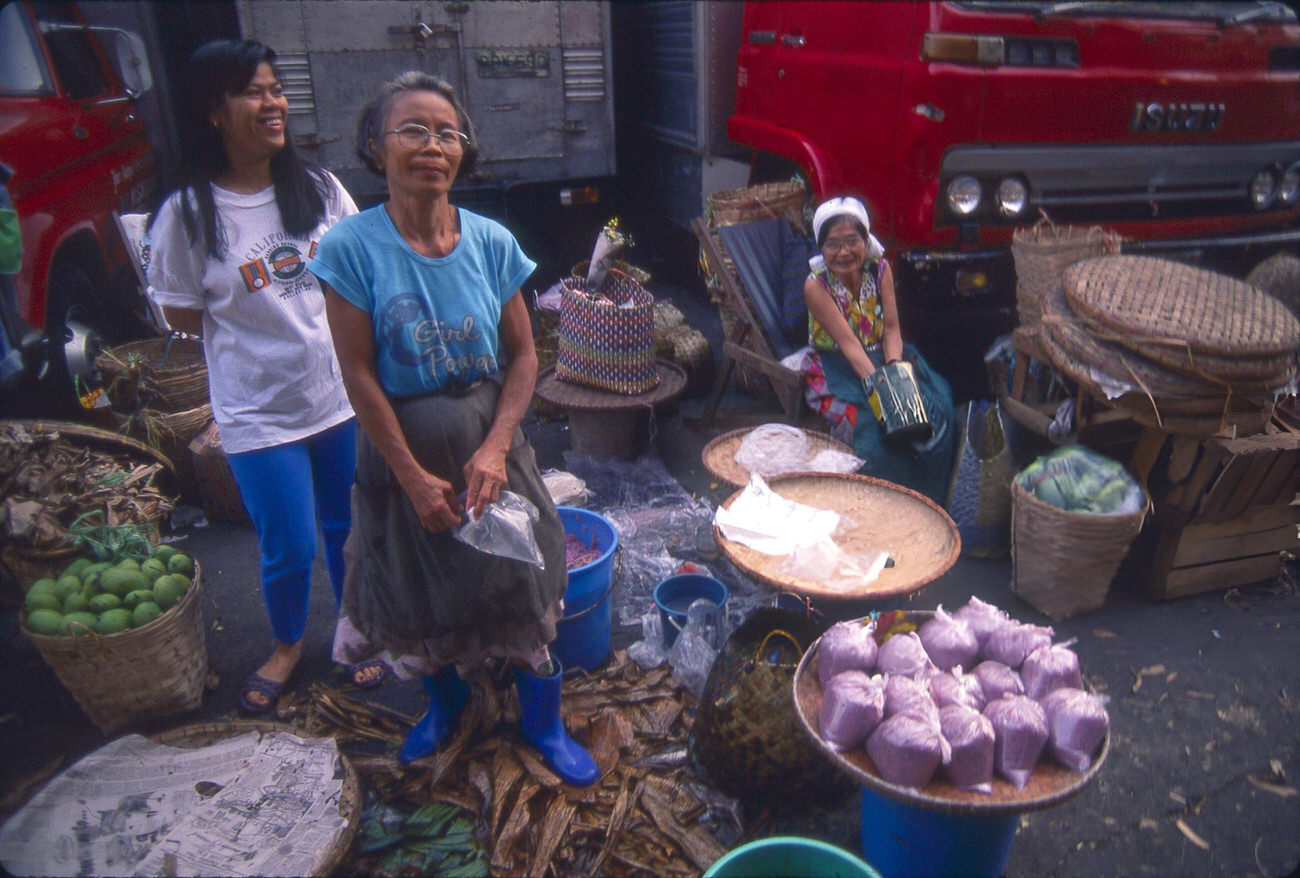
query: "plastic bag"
696, 647
903, 654
997, 679
1021, 729
846, 646
1012, 644
1078, 479
983, 618
1051, 667
949, 641
1077, 722
825, 562
954, 687
831, 460
649, 652
505, 529
853, 703
971, 737
906, 750
565, 489
979, 498
772, 449
904, 694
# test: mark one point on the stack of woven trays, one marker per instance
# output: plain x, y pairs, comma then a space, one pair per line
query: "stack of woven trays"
1193, 352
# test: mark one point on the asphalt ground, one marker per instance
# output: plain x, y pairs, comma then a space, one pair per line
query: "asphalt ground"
1204, 692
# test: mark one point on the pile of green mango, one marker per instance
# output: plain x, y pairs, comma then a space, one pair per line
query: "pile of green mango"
108, 597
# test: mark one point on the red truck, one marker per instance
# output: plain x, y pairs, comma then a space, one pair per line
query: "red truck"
70, 131
1175, 123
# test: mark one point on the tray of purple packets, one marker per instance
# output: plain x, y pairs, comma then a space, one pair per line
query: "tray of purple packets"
969, 712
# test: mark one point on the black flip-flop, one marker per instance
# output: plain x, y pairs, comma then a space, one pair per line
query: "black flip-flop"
259, 684
354, 670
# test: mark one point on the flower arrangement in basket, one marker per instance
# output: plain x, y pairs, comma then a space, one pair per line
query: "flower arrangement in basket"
121, 625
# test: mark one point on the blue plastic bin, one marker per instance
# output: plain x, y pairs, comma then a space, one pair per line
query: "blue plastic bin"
582, 636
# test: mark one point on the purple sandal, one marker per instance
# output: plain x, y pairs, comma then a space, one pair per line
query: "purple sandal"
355, 672
268, 688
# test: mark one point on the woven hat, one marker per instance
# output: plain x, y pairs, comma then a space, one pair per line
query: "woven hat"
1149, 300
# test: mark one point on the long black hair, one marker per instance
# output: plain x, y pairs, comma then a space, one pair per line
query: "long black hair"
215, 70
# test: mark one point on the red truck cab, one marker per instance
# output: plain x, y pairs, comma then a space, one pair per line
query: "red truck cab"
70, 131
1175, 123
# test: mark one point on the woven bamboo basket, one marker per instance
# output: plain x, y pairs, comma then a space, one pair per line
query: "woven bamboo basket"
192, 737
1042, 252
136, 374
170, 433
783, 199
719, 455
1062, 562
152, 671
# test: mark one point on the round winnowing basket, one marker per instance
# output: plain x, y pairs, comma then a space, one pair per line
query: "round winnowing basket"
152, 671
719, 455
350, 803
1041, 254
1062, 562
1147, 300
168, 378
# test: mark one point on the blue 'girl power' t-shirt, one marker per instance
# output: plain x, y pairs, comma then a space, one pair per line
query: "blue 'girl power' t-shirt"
435, 320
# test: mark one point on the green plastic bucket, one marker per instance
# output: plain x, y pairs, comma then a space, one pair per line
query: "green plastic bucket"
791, 857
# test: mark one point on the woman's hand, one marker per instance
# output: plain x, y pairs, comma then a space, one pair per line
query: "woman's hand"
435, 502
485, 476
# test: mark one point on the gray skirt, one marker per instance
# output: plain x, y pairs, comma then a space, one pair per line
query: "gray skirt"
428, 595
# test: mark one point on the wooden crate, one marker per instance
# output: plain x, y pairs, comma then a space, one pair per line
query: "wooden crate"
1222, 509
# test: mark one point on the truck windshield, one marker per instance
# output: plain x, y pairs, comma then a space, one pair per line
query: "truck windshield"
21, 69
1226, 13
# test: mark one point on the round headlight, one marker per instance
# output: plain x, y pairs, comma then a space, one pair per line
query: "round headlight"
1012, 197
964, 195
1263, 186
1289, 188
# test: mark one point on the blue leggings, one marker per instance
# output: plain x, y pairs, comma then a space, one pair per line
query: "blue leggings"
285, 488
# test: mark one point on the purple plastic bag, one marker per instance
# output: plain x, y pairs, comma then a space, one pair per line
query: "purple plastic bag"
1076, 722
846, 646
904, 694
903, 654
982, 618
996, 680
970, 736
853, 703
1048, 668
906, 750
954, 687
1012, 644
1020, 725
948, 641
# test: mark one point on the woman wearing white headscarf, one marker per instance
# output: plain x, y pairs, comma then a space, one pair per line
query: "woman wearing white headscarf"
853, 329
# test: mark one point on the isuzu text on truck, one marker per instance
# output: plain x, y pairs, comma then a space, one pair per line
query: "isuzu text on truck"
78, 150
1176, 124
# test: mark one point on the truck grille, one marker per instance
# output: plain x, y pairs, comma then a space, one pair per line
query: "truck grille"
584, 74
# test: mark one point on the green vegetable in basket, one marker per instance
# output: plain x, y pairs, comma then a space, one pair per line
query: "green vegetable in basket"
152, 568
135, 598
122, 579
44, 622
78, 624
65, 586
45, 586
113, 622
163, 552
41, 600
168, 590
75, 603
77, 567
181, 563
145, 613
102, 603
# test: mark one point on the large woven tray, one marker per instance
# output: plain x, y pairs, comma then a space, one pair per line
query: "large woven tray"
916, 533
1050, 783
719, 455
350, 804
1156, 300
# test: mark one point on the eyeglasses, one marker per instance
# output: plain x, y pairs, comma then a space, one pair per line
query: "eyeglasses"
835, 245
416, 137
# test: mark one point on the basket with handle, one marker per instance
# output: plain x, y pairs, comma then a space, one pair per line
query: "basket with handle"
1043, 251
168, 374
607, 337
155, 670
746, 736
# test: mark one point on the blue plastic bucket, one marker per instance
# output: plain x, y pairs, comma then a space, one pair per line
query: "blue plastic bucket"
901, 839
674, 596
790, 856
582, 636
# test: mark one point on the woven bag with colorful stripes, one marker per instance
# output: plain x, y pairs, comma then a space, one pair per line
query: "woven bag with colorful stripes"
607, 338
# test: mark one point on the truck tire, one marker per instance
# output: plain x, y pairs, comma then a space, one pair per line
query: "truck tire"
1279, 276
77, 330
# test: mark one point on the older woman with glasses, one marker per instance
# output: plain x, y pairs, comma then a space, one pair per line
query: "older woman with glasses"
436, 349
853, 330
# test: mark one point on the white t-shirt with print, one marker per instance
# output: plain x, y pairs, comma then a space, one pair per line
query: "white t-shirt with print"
272, 371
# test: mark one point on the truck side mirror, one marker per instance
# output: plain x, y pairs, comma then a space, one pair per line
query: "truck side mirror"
132, 63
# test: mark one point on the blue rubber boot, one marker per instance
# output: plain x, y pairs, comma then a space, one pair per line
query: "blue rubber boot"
447, 696
539, 702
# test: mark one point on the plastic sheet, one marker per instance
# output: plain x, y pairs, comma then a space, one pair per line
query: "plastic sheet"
1081, 480
505, 529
